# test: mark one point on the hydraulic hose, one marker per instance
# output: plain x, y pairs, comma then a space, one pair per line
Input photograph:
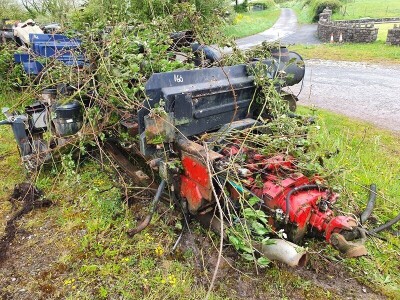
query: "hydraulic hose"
5, 122
148, 218
306, 187
370, 205
386, 225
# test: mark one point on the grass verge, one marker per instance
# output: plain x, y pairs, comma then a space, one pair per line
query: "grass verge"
365, 155
377, 52
249, 23
357, 9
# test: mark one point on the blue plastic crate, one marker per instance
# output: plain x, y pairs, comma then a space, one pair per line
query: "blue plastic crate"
21, 57
43, 38
74, 63
71, 55
51, 48
32, 67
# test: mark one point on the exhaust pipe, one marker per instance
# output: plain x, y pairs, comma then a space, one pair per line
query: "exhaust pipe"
280, 250
284, 251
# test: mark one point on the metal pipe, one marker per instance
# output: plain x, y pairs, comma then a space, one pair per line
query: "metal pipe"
370, 205
280, 250
284, 251
148, 218
5, 122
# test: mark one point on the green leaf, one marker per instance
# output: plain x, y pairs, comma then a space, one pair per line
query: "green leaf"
246, 249
249, 213
267, 241
263, 261
247, 256
259, 228
253, 200
234, 241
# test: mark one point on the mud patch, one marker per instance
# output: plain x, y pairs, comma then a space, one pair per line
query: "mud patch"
31, 198
333, 276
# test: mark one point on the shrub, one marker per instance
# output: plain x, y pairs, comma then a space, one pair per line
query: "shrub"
242, 7
11, 74
264, 3
317, 6
116, 11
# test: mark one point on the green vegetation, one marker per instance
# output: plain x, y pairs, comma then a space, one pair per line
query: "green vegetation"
10, 9
377, 52
317, 6
365, 155
303, 13
308, 11
248, 23
95, 259
78, 248
265, 4
356, 9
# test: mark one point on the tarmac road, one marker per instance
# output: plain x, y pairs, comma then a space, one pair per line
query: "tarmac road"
285, 26
358, 90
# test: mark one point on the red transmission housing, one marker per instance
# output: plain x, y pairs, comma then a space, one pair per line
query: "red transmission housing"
304, 205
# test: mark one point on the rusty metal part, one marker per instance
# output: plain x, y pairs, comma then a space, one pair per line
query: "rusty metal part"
159, 129
349, 249
148, 218
198, 150
134, 172
131, 126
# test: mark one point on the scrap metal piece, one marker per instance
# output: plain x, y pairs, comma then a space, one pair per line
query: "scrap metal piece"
349, 249
159, 128
134, 172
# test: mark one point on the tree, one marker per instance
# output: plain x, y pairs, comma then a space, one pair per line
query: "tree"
56, 9
11, 9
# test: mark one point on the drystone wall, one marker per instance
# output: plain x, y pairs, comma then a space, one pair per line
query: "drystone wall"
345, 31
350, 32
375, 20
393, 37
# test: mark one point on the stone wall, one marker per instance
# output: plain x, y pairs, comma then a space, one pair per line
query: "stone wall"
375, 20
393, 37
351, 32
345, 31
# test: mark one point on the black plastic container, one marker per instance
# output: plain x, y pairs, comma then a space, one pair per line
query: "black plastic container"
49, 96
37, 117
280, 53
67, 118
